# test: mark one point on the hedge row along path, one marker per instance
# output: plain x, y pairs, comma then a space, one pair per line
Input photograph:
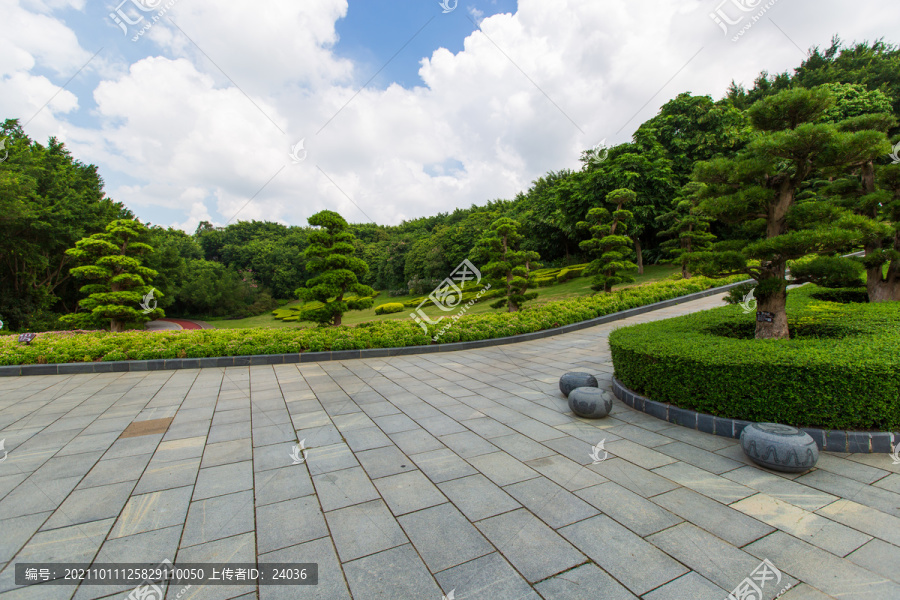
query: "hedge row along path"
425, 474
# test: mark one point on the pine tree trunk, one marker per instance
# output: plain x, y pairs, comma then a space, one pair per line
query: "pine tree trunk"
685, 274
772, 307
116, 326
337, 319
640, 255
881, 287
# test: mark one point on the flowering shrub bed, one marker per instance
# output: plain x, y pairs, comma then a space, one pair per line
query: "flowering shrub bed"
138, 345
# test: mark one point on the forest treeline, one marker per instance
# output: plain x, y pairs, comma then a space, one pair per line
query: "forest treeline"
49, 201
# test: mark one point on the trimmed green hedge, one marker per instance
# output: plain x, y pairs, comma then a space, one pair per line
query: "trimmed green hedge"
840, 369
105, 346
389, 308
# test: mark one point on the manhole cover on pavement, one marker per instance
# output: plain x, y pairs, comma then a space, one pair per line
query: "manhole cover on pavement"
139, 428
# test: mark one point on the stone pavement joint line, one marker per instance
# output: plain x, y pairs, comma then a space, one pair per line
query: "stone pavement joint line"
421, 475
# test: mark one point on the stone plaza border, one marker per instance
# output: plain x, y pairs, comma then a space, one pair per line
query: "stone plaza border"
831, 440
166, 364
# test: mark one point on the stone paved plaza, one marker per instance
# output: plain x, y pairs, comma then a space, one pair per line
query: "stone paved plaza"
425, 475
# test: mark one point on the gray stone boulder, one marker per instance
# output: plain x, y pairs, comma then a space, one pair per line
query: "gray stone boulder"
570, 381
779, 447
590, 402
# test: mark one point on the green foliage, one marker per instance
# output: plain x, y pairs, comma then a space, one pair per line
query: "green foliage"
839, 370
67, 347
112, 260
389, 308
508, 268
608, 242
687, 228
330, 256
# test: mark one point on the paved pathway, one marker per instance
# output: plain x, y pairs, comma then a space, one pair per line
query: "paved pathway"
425, 475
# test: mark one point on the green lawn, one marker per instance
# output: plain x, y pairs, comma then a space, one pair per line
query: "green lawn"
580, 286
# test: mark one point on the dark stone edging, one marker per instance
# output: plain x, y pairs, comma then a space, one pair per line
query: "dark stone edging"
165, 364
831, 440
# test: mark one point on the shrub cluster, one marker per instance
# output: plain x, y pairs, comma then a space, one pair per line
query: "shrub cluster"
389, 308
102, 346
839, 370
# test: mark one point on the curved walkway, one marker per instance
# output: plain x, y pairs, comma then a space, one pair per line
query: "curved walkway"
424, 475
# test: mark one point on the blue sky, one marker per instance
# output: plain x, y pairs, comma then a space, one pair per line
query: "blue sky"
196, 121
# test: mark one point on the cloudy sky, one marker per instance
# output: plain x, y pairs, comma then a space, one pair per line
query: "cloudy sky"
394, 109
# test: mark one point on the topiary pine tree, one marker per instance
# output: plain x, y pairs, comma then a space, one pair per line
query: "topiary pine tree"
121, 281
689, 230
609, 243
759, 189
330, 256
508, 268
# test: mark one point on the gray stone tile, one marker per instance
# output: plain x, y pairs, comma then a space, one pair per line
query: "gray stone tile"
346, 487
231, 431
614, 548
17, 531
314, 437
33, 497
224, 479
704, 482
115, 470
330, 458
714, 559
883, 500
416, 441
803, 592
153, 511
409, 492
442, 465
586, 581
824, 571
848, 468
331, 586
642, 456
163, 475
467, 444
92, 504
238, 548
364, 529
536, 430
878, 557
551, 503
485, 577
277, 485
567, 473
727, 523
534, 549
708, 461
351, 421
691, 586
440, 425
477, 497
275, 456
59, 467
781, 488
640, 481
522, 447
391, 575
218, 517
381, 462
289, 523
226, 452
488, 428
501, 468
641, 516
366, 439
444, 537
395, 423
89, 443
272, 434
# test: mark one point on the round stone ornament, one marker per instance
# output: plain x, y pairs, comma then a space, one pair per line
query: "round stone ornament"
590, 402
779, 447
570, 381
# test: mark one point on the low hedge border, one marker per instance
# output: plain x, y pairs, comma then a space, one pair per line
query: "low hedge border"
293, 358
826, 439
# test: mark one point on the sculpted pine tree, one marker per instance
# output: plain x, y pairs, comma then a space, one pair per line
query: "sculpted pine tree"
688, 229
508, 268
609, 242
120, 281
759, 189
330, 256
